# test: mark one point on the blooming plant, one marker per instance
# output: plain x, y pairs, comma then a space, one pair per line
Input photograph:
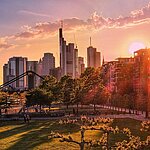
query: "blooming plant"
103, 125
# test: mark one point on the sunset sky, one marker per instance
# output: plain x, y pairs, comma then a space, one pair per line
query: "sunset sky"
30, 27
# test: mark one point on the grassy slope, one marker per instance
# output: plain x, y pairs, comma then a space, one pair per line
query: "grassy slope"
16, 135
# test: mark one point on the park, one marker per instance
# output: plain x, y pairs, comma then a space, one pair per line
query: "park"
72, 114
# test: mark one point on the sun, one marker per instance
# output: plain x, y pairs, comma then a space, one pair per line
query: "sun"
135, 46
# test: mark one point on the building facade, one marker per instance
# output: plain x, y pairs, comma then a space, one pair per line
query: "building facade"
15, 67
48, 62
32, 80
93, 57
118, 75
81, 65
68, 57
56, 72
142, 78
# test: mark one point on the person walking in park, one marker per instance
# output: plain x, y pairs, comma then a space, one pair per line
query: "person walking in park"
26, 118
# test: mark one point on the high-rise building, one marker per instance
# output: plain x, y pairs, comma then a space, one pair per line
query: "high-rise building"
142, 78
39, 71
15, 67
68, 57
48, 62
118, 74
75, 59
81, 65
62, 44
98, 60
32, 80
71, 60
5, 73
56, 72
93, 57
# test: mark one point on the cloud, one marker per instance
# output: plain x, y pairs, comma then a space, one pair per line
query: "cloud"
33, 13
4, 44
95, 22
136, 17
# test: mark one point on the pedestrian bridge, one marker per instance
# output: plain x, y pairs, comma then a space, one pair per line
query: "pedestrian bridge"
30, 74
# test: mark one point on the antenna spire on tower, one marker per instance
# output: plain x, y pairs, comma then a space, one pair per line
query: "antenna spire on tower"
61, 23
103, 61
75, 40
90, 42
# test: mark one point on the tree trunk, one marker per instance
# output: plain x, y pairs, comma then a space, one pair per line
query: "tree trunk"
146, 114
49, 107
77, 108
107, 141
82, 146
40, 108
129, 111
121, 109
94, 107
67, 106
82, 139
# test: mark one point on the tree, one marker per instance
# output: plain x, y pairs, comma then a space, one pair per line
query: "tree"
93, 89
78, 91
50, 85
67, 86
38, 97
3, 101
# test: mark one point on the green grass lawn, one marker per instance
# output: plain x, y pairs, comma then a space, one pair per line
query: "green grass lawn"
15, 135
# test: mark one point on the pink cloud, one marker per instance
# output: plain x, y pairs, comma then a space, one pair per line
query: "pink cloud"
4, 44
44, 29
94, 22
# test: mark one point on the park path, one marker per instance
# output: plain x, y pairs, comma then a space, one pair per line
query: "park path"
132, 116
139, 116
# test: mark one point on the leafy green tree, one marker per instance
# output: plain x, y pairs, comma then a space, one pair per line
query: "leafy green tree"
78, 91
38, 97
3, 101
50, 85
93, 89
67, 86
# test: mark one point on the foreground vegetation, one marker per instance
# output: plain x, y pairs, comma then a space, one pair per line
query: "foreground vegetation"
89, 88
17, 135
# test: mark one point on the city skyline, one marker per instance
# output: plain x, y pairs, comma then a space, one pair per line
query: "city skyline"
25, 29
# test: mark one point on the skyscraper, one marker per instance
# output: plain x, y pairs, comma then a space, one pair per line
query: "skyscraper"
68, 57
48, 62
32, 66
81, 65
98, 60
62, 44
5, 73
56, 72
93, 57
15, 67
39, 71
71, 60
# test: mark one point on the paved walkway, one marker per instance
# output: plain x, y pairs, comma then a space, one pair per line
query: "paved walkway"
132, 116
140, 116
